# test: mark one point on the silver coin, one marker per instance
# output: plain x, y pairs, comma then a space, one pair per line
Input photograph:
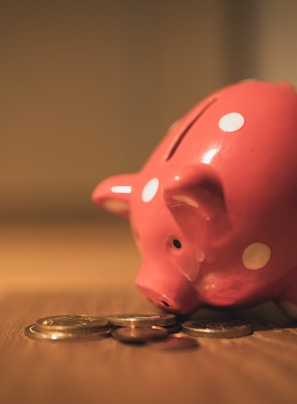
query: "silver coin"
32, 331
73, 323
217, 328
140, 320
175, 343
139, 334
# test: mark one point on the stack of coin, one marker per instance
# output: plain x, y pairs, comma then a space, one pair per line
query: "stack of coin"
141, 328
139, 335
142, 320
68, 327
153, 329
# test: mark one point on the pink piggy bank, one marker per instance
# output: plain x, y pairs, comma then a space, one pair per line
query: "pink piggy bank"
214, 209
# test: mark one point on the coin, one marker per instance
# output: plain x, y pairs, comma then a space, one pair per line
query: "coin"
73, 323
139, 334
140, 320
174, 343
32, 331
172, 329
217, 329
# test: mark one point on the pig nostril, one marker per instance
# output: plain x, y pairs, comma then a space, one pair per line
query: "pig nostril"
177, 243
165, 303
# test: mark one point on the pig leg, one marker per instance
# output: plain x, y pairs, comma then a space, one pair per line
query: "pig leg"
288, 301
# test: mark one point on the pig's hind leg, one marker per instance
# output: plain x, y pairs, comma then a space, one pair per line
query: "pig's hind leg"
288, 300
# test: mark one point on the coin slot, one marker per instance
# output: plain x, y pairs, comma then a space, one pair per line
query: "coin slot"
180, 137
165, 303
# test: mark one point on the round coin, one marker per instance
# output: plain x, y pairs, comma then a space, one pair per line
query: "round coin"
139, 335
32, 331
175, 343
140, 320
73, 323
217, 329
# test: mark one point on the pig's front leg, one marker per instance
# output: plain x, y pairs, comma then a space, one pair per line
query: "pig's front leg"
288, 300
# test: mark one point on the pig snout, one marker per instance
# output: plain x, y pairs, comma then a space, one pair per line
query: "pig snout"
167, 289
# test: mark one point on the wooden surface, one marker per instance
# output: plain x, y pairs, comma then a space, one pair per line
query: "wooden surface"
50, 266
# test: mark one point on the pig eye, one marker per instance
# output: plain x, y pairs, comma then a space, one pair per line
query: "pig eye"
177, 243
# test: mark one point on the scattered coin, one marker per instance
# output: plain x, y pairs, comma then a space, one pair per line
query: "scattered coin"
140, 320
139, 334
71, 323
173, 329
217, 329
32, 331
135, 328
175, 342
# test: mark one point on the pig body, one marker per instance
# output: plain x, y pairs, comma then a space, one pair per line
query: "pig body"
214, 209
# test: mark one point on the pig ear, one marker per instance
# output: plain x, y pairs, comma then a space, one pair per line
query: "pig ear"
196, 187
114, 193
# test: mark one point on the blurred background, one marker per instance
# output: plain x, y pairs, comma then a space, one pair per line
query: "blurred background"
88, 88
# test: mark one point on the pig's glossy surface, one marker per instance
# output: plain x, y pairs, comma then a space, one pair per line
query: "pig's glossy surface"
214, 209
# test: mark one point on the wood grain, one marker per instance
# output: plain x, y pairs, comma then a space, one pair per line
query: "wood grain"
256, 369
260, 368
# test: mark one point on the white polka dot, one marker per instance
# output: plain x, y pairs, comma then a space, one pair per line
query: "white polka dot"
256, 256
231, 122
150, 190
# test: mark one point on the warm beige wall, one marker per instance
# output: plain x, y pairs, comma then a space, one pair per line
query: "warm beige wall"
89, 87
277, 44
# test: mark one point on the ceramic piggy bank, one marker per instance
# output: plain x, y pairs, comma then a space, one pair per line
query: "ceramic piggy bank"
214, 209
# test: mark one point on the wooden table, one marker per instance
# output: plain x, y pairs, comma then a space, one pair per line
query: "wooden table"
90, 268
